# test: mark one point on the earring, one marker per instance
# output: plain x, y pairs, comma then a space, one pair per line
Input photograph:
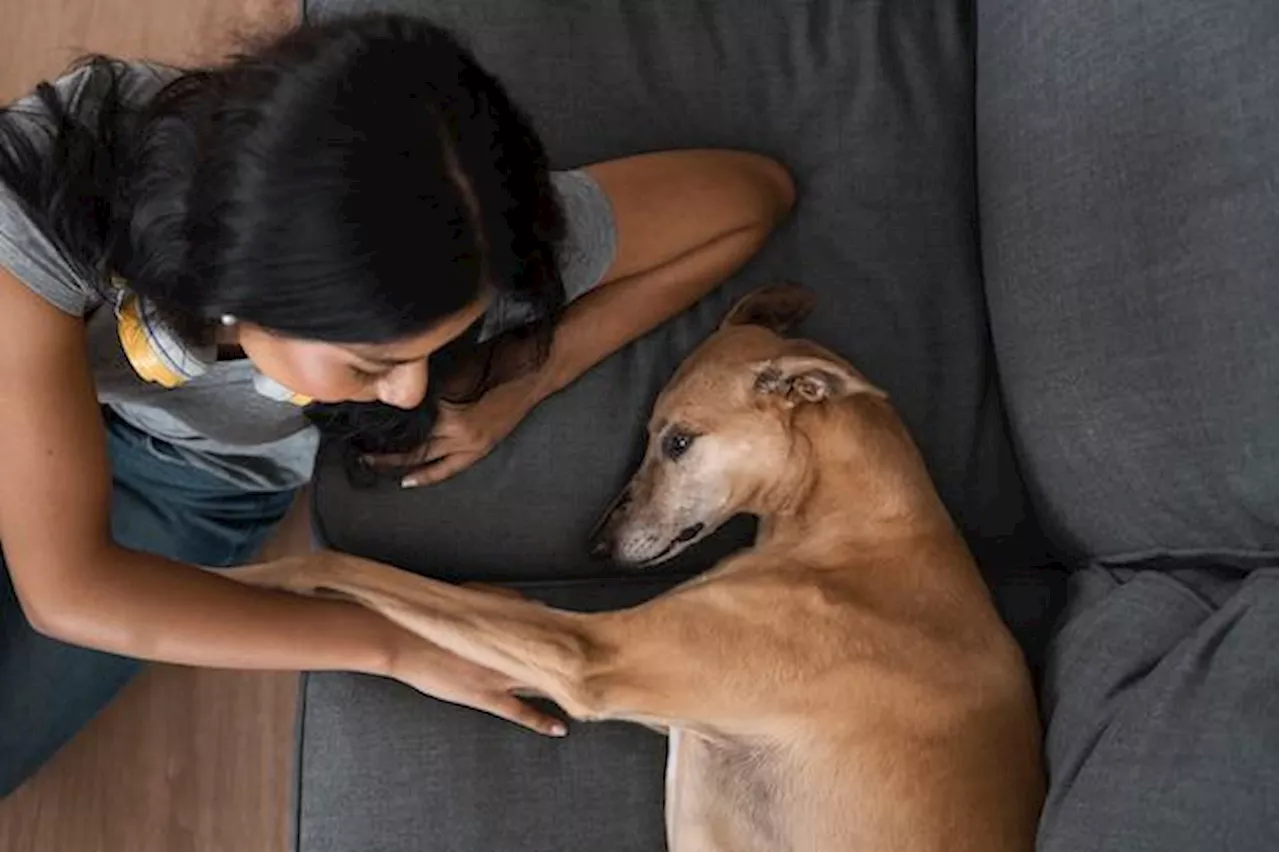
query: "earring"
227, 320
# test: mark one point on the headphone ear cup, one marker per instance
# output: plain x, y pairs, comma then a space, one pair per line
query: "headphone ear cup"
157, 356
153, 352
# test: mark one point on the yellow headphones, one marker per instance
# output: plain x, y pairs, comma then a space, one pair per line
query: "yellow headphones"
158, 356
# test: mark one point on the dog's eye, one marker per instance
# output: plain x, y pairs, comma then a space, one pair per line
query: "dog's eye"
676, 444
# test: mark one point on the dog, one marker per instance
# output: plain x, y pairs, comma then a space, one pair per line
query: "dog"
845, 684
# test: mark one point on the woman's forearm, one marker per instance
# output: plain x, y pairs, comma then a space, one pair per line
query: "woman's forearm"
152, 608
606, 319
686, 221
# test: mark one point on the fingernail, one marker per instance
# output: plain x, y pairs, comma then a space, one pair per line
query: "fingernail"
409, 482
558, 730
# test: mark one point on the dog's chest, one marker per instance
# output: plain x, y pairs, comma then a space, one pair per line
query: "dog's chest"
720, 796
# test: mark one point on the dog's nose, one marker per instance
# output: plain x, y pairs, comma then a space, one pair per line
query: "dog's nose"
600, 544
601, 547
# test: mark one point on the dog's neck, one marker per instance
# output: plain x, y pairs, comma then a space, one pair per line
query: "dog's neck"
857, 476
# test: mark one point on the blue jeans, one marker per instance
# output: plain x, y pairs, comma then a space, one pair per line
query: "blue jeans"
48, 689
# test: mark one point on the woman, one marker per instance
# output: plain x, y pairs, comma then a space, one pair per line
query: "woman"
188, 259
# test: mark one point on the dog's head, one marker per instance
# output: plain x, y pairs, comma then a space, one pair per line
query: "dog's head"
721, 434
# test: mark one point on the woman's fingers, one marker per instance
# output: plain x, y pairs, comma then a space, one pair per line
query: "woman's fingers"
501, 591
433, 451
526, 715
390, 461
440, 470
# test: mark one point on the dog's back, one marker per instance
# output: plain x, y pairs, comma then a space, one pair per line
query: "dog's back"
834, 719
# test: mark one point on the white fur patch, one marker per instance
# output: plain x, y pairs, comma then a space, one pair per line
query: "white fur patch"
673, 767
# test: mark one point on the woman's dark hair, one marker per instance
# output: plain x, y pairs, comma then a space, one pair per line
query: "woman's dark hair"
354, 181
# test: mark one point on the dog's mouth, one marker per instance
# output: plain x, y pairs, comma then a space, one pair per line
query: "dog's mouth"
686, 535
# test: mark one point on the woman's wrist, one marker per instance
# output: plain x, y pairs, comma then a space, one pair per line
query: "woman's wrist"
536, 385
552, 376
386, 646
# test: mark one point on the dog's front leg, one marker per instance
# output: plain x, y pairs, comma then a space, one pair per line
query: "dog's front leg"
555, 652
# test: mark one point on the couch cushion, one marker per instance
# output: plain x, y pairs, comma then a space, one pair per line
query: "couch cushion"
871, 106
1127, 176
1160, 710
382, 768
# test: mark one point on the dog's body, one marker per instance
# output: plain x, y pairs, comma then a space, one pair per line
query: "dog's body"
844, 685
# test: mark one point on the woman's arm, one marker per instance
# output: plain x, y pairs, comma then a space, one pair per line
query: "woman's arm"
75, 584
685, 221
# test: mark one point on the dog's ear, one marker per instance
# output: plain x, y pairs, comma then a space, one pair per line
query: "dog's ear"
778, 307
801, 378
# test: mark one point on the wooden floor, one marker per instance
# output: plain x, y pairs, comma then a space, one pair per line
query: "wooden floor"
39, 37
184, 760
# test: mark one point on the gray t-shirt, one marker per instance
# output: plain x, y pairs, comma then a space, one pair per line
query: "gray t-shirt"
219, 421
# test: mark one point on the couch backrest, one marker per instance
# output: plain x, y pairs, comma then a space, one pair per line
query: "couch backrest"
1127, 182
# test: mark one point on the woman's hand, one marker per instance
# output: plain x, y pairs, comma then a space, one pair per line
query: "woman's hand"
404, 656
465, 433
446, 676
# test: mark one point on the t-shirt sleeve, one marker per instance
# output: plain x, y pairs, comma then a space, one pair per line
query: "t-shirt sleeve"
587, 251
31, 257
26, 250
591, 239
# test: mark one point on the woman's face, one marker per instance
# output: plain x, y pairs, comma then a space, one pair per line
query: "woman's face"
393, 373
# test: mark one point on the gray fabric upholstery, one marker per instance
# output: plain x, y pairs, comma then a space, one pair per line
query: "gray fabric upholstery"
1160, 697
383, 768
1127, 180
1127, 177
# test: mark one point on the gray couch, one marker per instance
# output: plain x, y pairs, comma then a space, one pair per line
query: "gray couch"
1048, 228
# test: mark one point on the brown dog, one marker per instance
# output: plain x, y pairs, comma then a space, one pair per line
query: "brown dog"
846, 684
